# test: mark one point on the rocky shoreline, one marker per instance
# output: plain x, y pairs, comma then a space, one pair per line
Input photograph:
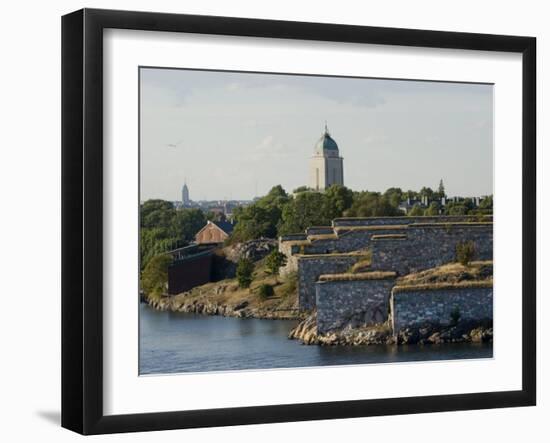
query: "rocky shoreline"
306, 330
462, 332
240, 310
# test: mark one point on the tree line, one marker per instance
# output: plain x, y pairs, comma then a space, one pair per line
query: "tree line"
163, 227
278, 213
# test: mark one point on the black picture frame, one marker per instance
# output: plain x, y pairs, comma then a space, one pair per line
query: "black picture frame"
82, 215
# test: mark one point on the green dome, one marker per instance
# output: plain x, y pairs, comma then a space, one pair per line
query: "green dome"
325, 143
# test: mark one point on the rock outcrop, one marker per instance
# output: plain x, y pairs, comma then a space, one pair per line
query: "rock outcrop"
240, 310
254, 250
465, 331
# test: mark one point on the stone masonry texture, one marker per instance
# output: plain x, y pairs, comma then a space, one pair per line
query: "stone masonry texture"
427, 247
347, 241
415, 307
309, 270
354, 303
404, 220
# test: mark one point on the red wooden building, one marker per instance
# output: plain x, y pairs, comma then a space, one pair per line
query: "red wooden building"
214, 232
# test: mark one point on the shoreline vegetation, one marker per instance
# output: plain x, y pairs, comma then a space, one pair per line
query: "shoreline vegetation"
228, 299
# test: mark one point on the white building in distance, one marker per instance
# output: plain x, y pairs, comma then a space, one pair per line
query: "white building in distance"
326, 165
185, 195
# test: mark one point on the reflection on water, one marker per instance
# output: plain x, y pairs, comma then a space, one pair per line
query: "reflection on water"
177, 342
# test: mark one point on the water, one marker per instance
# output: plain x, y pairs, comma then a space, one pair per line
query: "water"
178, 342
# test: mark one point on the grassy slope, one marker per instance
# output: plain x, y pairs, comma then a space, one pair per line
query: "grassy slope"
477, 273
227, 292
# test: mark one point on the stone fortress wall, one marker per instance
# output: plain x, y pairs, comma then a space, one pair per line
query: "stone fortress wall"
407, 220
413, 307
311, 267
396, 244
424, 246
347, 239
352, 234
342, 302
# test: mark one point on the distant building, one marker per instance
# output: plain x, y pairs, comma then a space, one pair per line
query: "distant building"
185, 195
217, 210
214, 232
424, 202
326, 165
406, 205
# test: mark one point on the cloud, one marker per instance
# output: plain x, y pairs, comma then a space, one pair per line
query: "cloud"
269, 147
339, 90
240, 129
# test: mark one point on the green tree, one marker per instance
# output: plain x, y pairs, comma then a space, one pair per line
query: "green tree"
465, 252
157, 231
274, 261
265, 291
276, 195
486, 203
426, 192
245, 269
155, 241
252, 222
261, 218
188, 222
416, 211
485, 206
337, 200
304, 210
301, 189
154, 278
163, 228
455, 208
371, 204
274, 202
441, 189
469, 204
394, 195
433, 209
156, 214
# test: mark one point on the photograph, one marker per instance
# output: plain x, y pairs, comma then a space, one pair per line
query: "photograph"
275, 222
299, 221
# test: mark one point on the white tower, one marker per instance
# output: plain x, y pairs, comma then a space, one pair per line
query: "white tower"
326, 165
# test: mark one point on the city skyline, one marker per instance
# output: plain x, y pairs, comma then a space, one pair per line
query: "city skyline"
233, 136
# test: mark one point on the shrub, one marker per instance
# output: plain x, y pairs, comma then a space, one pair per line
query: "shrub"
274, 261
455, 316
290, 285
265, 291
362, 265
465, 252
154, 278
245, 268
415, 211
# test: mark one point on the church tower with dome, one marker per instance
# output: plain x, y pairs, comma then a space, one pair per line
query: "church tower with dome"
326, 166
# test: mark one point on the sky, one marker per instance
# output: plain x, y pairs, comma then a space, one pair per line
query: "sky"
236, 135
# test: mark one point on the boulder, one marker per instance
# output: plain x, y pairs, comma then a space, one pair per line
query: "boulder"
253, 249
